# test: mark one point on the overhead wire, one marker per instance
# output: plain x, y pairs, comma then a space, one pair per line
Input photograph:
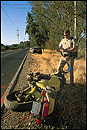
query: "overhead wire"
8, 16
7, 24
9, 19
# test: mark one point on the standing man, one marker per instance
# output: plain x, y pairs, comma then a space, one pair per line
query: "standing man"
68, 48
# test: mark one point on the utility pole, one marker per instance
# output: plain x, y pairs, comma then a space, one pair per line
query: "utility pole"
17, 34
75, 20
75, 36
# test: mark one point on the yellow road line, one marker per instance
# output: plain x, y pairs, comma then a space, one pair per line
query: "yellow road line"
7, 54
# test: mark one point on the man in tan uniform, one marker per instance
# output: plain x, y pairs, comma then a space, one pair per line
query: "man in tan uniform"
67, 47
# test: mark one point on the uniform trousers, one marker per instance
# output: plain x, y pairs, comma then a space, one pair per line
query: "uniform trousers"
70, 61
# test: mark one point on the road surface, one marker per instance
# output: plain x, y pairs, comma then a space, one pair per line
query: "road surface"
10, 62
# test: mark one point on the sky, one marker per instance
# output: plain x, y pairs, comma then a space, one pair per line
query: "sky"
13, 17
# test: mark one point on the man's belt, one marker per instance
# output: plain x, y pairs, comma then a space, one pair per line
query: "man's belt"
70, 54
66, 55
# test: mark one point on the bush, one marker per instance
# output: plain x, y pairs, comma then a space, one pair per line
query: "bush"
12, 48
82, 48
82, 51
2, 48
81, 54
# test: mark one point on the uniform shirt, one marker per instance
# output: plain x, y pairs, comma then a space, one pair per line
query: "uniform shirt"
67, 44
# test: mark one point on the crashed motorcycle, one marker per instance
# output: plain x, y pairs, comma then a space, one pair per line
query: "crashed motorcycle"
40, 97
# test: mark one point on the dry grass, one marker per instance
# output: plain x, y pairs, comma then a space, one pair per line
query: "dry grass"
47, 63
80, 71
72, 99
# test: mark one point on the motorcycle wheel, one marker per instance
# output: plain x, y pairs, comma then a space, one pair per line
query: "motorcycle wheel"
11, 102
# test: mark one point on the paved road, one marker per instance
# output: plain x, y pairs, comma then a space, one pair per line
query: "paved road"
10, 62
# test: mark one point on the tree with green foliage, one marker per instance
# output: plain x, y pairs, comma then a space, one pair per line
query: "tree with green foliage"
36, 37
53, 17
2, 47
